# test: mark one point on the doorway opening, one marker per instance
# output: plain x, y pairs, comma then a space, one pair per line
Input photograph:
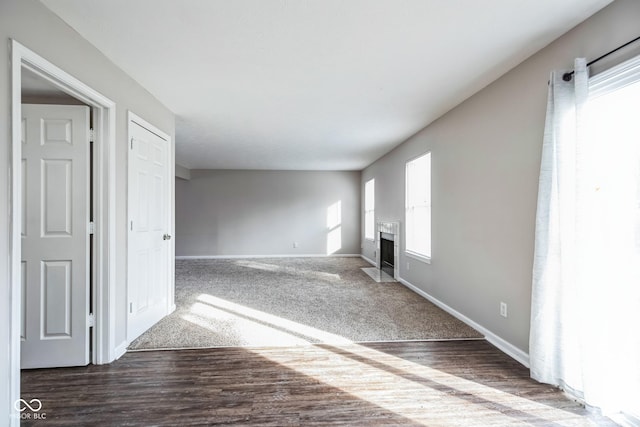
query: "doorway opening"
26, 61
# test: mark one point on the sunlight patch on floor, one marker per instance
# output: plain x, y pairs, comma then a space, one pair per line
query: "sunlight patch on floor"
245, 324
289, 270
239, 332
419, 393
259, 265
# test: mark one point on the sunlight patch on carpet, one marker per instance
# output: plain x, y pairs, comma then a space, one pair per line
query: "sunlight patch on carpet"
255, 326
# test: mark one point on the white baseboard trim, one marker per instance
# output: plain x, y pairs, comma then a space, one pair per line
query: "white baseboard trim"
120, 350
370, 261
500, 343
506, 347
266, 256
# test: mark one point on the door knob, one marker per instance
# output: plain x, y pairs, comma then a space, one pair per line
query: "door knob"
166, 237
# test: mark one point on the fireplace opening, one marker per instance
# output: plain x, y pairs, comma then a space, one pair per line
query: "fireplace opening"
387, 258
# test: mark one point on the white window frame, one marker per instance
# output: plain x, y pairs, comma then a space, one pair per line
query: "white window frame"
615, 78
370, 209
415, 201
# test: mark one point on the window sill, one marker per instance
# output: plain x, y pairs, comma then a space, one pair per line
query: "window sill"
368, 239
425, 259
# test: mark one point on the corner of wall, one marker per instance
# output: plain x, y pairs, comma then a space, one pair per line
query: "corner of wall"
120, 350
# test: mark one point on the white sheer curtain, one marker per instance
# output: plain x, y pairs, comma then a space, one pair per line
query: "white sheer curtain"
585, 327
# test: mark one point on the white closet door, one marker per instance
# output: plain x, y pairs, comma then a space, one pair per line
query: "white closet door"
55, 236
149, 239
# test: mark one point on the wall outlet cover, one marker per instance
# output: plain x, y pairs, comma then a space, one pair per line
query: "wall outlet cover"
503, 309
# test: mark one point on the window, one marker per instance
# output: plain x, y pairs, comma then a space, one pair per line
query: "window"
587, 251
334, 227
612, 173
418, 206
369, 209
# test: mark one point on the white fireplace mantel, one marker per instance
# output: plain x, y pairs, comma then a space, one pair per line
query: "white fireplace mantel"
389, 227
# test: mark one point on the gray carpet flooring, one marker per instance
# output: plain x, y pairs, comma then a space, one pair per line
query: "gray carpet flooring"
293, 301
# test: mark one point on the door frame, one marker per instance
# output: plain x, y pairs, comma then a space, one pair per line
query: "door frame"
132, 119
104, 125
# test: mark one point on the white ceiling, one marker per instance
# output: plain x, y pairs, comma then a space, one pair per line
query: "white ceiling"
313, 84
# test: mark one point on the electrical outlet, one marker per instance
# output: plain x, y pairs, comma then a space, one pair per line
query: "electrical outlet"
295, 244
408, 266
503, 309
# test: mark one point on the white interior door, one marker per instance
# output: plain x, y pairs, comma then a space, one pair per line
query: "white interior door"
149, 229
55, 236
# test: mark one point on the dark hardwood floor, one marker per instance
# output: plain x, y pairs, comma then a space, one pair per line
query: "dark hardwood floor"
452, 383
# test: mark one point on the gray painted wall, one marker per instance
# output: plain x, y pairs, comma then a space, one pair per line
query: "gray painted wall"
34, 26
246, 212
182, 172
485, 167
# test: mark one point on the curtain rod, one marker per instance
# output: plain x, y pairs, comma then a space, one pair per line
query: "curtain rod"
568, 75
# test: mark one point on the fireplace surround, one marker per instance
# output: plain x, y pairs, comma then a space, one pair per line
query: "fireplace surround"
388, 247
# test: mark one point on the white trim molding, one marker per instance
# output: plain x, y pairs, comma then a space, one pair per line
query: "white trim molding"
104, 116
502, 344
121, 349
614, 78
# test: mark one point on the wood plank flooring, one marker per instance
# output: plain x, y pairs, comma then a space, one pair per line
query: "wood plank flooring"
450, 383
